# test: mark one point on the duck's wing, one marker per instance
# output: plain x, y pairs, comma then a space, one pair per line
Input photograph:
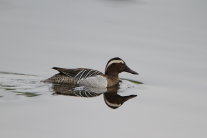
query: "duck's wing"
79, 73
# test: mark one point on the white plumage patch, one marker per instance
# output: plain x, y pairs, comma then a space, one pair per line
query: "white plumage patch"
112, 104
114, 61
96, 81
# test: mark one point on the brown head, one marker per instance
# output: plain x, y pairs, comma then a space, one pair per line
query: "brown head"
117, 65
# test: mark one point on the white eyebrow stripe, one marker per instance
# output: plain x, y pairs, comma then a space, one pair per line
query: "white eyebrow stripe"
114, 61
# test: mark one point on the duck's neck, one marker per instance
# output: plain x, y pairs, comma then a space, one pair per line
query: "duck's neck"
112, 74
112, 78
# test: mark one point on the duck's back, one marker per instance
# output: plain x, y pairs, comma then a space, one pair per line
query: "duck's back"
79, 76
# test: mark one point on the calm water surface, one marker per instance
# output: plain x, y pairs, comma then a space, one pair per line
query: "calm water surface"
164, 41
13, 85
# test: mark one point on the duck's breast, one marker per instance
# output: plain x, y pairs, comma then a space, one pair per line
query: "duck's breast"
98, 81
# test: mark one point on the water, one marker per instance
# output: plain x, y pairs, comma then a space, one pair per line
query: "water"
164, 41
13, 85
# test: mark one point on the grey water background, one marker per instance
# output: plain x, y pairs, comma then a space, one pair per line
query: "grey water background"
164, 40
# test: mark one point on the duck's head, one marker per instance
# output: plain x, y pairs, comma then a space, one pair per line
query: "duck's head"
117, 65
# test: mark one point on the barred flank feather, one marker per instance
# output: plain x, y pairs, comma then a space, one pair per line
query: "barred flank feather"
85, 73
72, 75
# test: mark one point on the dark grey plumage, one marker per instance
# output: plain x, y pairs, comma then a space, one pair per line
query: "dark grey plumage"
72, 76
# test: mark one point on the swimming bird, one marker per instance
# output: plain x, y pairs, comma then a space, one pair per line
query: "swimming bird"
92, 78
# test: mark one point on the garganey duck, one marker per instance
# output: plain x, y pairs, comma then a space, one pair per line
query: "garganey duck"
90, 77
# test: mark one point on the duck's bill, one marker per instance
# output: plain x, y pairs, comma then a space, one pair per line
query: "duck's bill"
130, 71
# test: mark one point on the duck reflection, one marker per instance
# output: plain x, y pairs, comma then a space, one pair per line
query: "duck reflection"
110, 95
113, 100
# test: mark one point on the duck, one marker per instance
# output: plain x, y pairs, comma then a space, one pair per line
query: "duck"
90, 77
